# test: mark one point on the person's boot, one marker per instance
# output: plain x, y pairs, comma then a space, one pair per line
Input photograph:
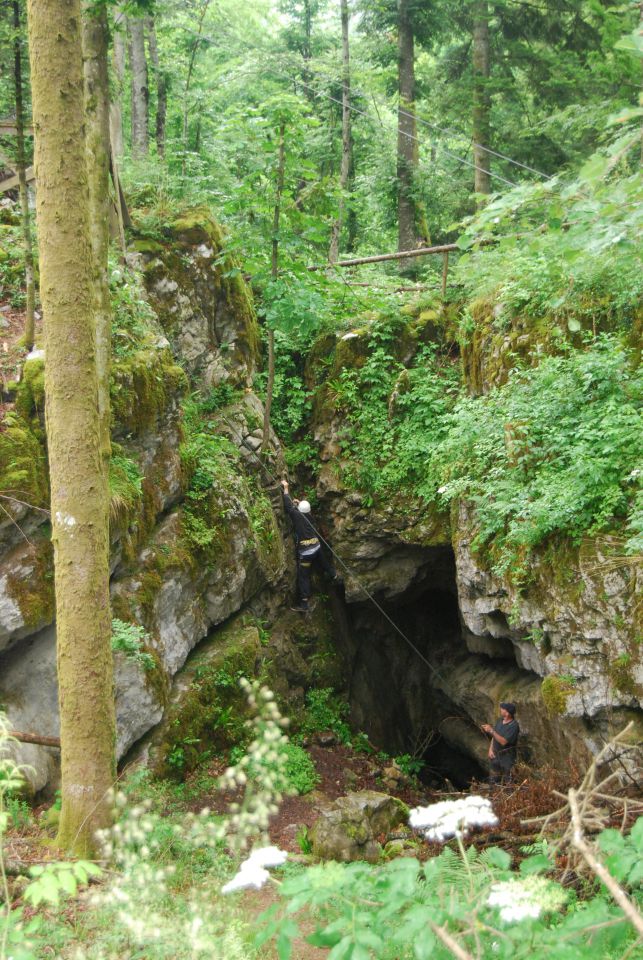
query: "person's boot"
301, 607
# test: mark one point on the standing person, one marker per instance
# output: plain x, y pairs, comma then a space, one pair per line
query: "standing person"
502, 748
309, 549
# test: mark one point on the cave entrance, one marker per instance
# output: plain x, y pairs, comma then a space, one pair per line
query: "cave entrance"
403, 704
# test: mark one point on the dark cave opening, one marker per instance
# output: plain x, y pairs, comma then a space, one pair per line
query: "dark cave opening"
399, 689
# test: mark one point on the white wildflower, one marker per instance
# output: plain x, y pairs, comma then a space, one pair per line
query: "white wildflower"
248, 876
450, 818
529, 897
252, 872
442, 489
268, 857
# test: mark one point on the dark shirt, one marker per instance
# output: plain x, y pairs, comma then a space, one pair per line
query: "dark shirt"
307, 539
506, 755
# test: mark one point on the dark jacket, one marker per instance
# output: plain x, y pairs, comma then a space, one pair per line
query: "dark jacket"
305, 537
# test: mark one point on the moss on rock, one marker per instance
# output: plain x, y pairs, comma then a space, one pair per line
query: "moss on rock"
33, 592
143, 385
209, 713
23, 463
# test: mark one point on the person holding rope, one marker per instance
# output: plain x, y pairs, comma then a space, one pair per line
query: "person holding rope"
310, 554
502, 748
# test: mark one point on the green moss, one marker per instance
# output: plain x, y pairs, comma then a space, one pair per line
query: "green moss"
34, 593
555, 691
146, 245
143, 386
210, 718
30, 396
23, 465
620, 672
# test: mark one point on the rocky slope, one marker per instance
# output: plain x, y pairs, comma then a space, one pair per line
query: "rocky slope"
566, 646
199, 559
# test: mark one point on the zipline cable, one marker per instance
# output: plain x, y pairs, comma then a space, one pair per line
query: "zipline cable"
345, 566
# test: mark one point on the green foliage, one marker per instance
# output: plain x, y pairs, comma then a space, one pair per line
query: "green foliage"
300, 770
324, 710
393, 910
411, 766
130, 639
125, 486
132, 316
54, 881
555, 450
19, 812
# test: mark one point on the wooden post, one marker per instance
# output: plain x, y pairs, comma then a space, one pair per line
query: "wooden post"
445, 273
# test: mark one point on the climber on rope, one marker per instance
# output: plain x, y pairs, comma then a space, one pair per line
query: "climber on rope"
309, 549
502, 748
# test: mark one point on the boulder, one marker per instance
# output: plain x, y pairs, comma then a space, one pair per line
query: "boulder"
352, 826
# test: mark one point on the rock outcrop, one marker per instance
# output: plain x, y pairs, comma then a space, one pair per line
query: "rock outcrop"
174, 577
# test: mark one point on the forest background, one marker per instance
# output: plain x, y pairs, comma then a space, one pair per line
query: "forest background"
517, 122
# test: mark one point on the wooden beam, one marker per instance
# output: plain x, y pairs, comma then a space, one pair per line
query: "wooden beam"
8, 129
35, 738
400, 255
12, 182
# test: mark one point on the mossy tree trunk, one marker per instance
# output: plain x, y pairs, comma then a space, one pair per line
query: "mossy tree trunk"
21, 163
140, 88
346, 163
407, 141
281, 171
481, 99
79, 493
118, 61
95, 38
160, 78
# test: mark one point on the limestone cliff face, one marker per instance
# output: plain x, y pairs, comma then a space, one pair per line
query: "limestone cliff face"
566, 647
202, 334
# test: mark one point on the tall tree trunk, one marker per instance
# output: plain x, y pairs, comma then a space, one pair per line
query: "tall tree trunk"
95, 39
140, 89
118, 60
21, 162
160, 78
79, 492
481, 99
188, 80
407, 152
346, 163
281, 170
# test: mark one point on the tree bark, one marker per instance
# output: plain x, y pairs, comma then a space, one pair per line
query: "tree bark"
481, 98
79, 493
140, 89
281, 170
188, 81
118, 60
21, 163
97, 140
346, 163
160, 78
407, 152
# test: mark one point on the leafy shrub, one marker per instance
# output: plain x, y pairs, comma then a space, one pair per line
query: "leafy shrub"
300, 769
324, 710
130, 638
555, 450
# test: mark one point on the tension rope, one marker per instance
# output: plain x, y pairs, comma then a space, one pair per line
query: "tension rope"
344, 566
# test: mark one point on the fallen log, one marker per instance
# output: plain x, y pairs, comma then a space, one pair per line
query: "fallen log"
36, 738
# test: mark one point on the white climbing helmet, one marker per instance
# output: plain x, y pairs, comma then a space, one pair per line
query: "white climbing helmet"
303, 506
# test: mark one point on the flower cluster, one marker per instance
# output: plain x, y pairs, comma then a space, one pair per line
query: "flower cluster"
262, 771
520, 899
451, 818
253, 871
